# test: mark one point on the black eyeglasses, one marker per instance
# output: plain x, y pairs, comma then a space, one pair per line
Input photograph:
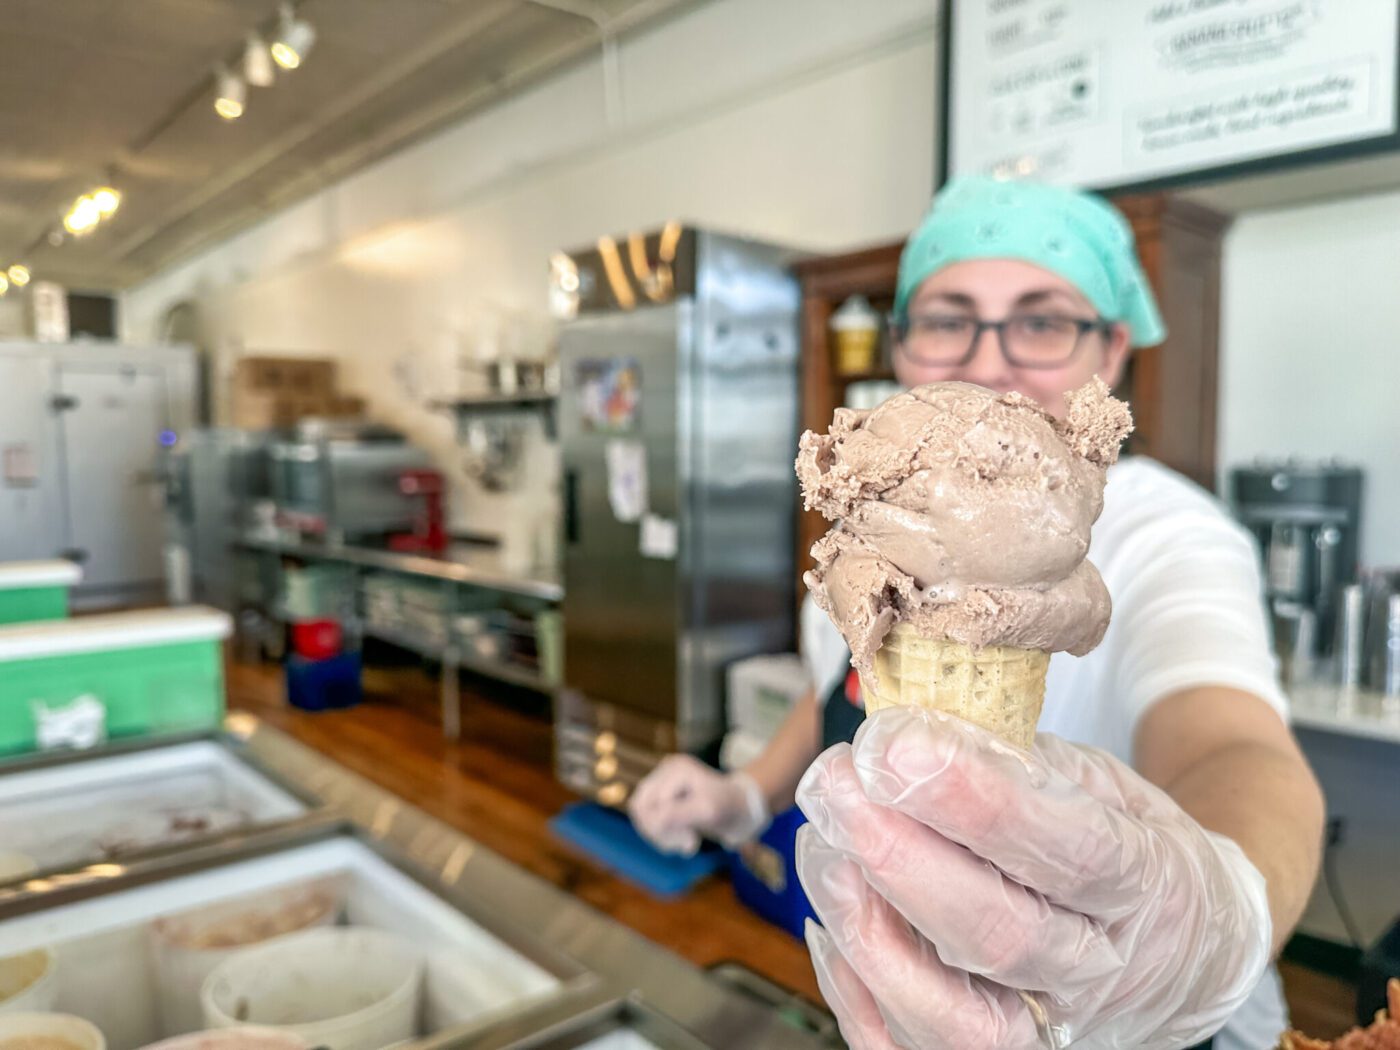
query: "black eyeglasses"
1028, 340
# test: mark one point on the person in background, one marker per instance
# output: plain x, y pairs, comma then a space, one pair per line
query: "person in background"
1129, 883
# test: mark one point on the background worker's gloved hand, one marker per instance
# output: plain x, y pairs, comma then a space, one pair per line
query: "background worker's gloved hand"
683, 800
965, 887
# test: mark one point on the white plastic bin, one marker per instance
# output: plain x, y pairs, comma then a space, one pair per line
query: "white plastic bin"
50, 1031
187, 948
762, 690
244, 1037
28, 981
348, 989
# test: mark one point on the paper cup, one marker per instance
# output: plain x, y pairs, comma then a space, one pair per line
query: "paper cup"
346, 988
28, 982
856, 350
855, 331
38, 1031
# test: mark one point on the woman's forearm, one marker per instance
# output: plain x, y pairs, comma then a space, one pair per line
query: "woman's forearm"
787, 756
1230, 762
1268, 803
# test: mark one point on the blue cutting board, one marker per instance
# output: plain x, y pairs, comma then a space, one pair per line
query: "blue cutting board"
607, 836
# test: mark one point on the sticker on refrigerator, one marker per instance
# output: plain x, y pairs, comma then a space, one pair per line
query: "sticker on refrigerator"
660, 537
20, 470
610, 393
627, 478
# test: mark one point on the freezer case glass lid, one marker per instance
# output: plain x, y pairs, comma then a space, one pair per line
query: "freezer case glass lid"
109, 806
112, 951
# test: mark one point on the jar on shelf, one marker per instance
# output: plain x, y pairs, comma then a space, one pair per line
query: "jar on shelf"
855, 332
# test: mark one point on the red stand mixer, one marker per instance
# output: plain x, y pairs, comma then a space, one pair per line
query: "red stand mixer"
429, 535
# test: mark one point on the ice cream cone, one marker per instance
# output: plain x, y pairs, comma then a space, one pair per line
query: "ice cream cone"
997, 687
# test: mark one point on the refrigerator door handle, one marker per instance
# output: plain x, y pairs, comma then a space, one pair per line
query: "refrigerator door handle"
571, 515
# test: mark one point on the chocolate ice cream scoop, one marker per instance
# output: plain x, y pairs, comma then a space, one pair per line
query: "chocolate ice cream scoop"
965, 514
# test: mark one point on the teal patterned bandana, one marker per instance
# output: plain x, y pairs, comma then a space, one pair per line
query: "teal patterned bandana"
1078, 236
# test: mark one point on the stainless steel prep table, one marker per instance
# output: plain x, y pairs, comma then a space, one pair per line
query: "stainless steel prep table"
461, 567
595, 960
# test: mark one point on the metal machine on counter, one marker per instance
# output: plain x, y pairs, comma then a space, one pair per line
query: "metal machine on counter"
217, 478
342, 481
323, 483
82, 428
1307, 519
677, 418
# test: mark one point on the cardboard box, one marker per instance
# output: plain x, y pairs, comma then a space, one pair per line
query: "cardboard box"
344, 406
260, 410
311, 376
313, 406
270, 393
258, 374
291, 375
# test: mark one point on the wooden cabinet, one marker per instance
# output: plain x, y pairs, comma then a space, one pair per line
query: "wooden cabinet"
826, 283
1171, 387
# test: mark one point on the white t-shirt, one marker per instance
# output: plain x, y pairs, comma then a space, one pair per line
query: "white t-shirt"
1185, 584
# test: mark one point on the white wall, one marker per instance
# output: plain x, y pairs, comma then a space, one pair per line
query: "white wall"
1310, 348
14, 321
806, 122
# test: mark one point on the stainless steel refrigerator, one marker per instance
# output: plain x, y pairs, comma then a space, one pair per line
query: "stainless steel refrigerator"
82, 432
678, 425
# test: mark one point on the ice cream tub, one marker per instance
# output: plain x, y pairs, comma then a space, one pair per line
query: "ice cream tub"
188, 947
45, 1031
244, 1037
349, 988
28, 981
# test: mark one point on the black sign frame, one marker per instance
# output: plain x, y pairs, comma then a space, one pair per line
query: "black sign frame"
1317, 156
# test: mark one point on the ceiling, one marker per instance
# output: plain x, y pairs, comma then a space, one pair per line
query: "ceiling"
121, 91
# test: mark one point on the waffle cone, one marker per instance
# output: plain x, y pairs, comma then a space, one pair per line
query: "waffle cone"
997, 687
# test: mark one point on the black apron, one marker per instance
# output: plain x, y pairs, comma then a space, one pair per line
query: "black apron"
841, 717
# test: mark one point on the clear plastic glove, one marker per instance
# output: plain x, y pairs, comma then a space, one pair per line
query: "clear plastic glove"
683, 800
976, 896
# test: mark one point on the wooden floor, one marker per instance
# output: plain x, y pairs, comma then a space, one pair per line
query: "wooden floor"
496, 786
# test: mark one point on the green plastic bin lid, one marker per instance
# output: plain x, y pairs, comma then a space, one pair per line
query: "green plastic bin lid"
120, 630
52, 572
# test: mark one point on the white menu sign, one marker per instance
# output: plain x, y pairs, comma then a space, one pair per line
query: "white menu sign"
1111, 93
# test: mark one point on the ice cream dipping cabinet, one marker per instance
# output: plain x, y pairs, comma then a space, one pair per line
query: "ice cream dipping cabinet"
62, 813
238, 877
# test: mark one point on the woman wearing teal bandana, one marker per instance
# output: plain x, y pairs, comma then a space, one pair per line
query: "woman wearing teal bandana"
1128, 884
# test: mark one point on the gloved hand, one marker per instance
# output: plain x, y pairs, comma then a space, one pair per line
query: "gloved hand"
683, 799
976, 896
